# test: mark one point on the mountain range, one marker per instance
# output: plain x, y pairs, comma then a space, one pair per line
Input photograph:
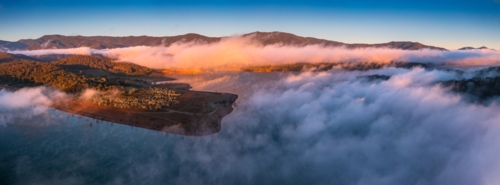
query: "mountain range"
263, 38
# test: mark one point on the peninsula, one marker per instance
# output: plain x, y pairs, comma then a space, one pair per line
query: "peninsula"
120, 92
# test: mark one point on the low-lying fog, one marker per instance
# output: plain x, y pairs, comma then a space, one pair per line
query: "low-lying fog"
333, 127
234, 52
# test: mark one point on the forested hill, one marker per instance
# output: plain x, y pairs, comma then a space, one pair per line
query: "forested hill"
79, 62
7, 57
82, 62
263, 38
75, 74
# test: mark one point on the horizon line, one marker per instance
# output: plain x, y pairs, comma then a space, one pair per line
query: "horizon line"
238, 34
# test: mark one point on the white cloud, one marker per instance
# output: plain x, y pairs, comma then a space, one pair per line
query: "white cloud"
26, 102
343, 130
322, 128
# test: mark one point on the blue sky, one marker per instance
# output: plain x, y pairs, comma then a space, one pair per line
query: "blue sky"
446, 23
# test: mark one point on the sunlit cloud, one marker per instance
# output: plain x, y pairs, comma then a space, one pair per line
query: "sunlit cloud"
237, 52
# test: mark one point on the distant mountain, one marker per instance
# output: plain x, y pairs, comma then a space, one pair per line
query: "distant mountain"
263, 38
104, 42
267, 38
6, 45
472, 48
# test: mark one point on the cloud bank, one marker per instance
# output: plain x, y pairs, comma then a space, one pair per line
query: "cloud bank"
330, 128
236, 52
26, 102
306, 128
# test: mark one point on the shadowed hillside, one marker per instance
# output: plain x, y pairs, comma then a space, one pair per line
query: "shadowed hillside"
7, 57
6, 45
81, 62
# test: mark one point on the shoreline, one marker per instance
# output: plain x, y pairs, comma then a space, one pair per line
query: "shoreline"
198, 113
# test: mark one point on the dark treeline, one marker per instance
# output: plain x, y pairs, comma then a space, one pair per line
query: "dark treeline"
350, 66
78, 62
480, 87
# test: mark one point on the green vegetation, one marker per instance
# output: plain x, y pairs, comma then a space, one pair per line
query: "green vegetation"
150, 98
66, 75
27, 73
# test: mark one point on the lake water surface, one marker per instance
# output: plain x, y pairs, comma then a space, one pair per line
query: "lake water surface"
311, 128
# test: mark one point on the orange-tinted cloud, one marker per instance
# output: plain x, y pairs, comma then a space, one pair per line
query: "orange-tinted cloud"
237, 52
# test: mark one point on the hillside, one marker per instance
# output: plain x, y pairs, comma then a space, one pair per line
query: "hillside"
6, 45
280, 38
119, 92
103, 42
82, 62
262, 38
7, 57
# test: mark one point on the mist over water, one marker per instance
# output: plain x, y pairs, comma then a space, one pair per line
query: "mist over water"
333, 127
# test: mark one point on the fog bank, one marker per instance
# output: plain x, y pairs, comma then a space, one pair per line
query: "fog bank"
331, 127
26, 102
234, 52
